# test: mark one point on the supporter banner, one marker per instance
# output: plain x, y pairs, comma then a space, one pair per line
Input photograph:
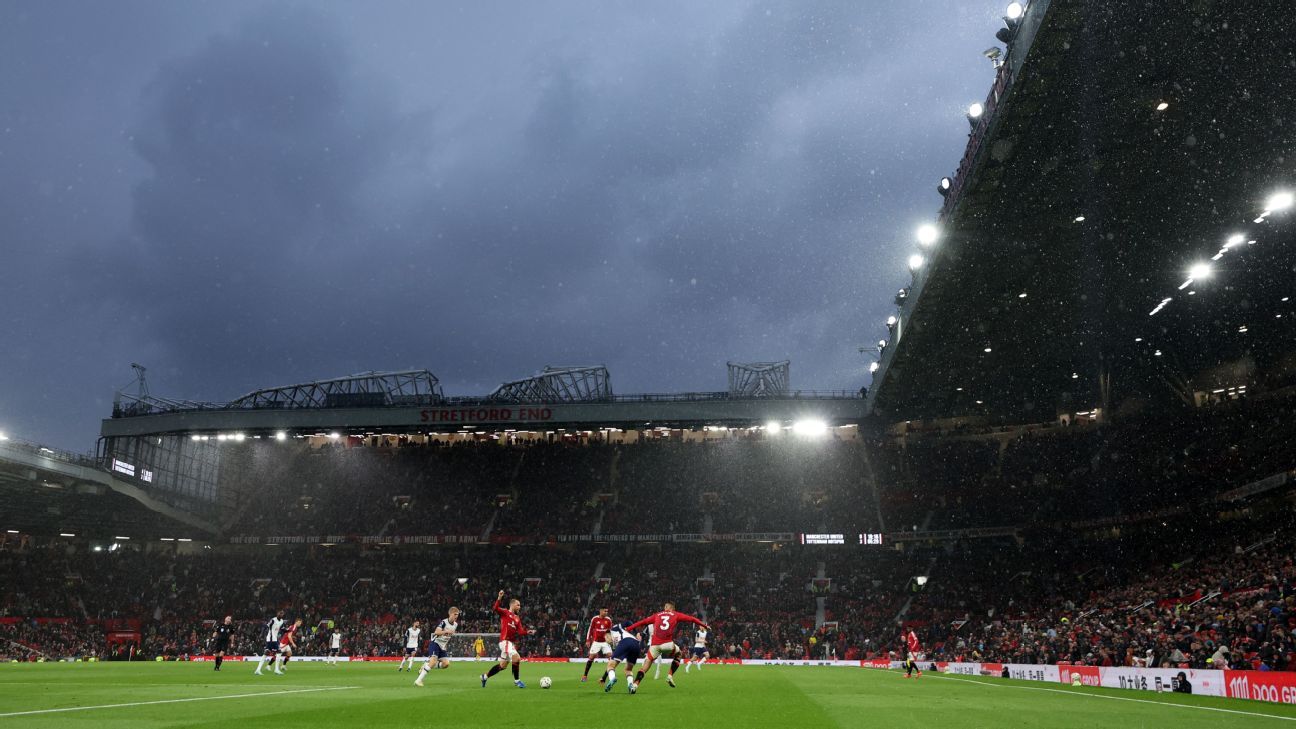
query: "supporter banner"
1276, 686
743, 537
357, 539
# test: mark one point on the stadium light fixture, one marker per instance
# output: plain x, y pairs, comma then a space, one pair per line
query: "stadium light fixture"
1075, 375
124, 539
892, 320
921, 580
240, 437
184, 539
280, 435
166, 539
882, 344
927, 234
1078, 219
98, 548
1015, 11
66, 534
1199, 270
1163, 106
988, 350
974, 112
1279, 201
873, 367
916, 262
12, 531
944, 186
980, 402
1022, 295
334, 435
1234, 240
810, 428
774, 426
3, 436
221, 437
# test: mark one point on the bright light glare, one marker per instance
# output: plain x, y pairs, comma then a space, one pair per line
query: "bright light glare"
927, 234
1235, 240
774, 426
3, 436
891, 320
1162, 106
239, 437
1279, 201
976, 110
916, 262
333, 435
280, 435
810, 428
1199, 271
1014, 11
922, 579
873, 366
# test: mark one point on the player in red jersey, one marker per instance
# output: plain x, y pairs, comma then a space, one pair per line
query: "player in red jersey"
287, 642
511, 628
596, 638
912, 648
664, 624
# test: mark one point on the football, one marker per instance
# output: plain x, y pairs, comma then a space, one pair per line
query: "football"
546, 682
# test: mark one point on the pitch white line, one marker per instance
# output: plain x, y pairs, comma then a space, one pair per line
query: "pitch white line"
175, 701
1116, 698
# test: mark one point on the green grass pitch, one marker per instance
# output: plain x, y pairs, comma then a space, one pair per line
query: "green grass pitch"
720, 697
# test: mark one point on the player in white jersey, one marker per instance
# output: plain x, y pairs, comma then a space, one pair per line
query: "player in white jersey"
700, 652
438, 655
411, 647
335, 646
272, 626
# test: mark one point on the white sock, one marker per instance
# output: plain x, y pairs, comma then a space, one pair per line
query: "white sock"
261, 663
611, 675
423, 671
278, 662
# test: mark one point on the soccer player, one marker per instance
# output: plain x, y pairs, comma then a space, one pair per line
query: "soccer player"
222, 636
700, 653
510, 627
335, 646
912, 648
438, 656
287, 642
662, 643
411, 646
627, 648
596, 637
272, 626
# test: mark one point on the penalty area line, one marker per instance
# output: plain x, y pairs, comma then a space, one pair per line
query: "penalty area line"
175, 701
1116, 698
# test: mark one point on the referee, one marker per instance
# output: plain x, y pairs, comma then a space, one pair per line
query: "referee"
222, 639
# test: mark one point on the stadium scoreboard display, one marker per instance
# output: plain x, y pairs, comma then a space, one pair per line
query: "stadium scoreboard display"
866, 539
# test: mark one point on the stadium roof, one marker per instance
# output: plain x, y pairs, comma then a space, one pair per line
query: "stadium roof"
1123, 144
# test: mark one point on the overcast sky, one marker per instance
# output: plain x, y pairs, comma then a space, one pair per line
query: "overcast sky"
244, 194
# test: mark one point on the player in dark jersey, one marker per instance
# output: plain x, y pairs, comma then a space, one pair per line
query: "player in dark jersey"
221, 639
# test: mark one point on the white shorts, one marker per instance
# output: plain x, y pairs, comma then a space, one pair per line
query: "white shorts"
508, 651
600, 648
665, 649
285, 649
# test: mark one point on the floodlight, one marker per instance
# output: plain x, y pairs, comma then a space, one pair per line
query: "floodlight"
1279, 201
916, 262
281, 435
810, 428
1235, 240
3, 436
921, 580
1162, 106
333, 435
927, 234
993, 53
975, 110
774, 426
882, 343
873, 367
1014, 11
943, 187
1199, 271
892, 321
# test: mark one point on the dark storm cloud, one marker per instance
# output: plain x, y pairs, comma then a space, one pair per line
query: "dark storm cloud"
289, 192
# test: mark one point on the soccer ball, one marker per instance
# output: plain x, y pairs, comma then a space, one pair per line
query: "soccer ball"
546, 682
